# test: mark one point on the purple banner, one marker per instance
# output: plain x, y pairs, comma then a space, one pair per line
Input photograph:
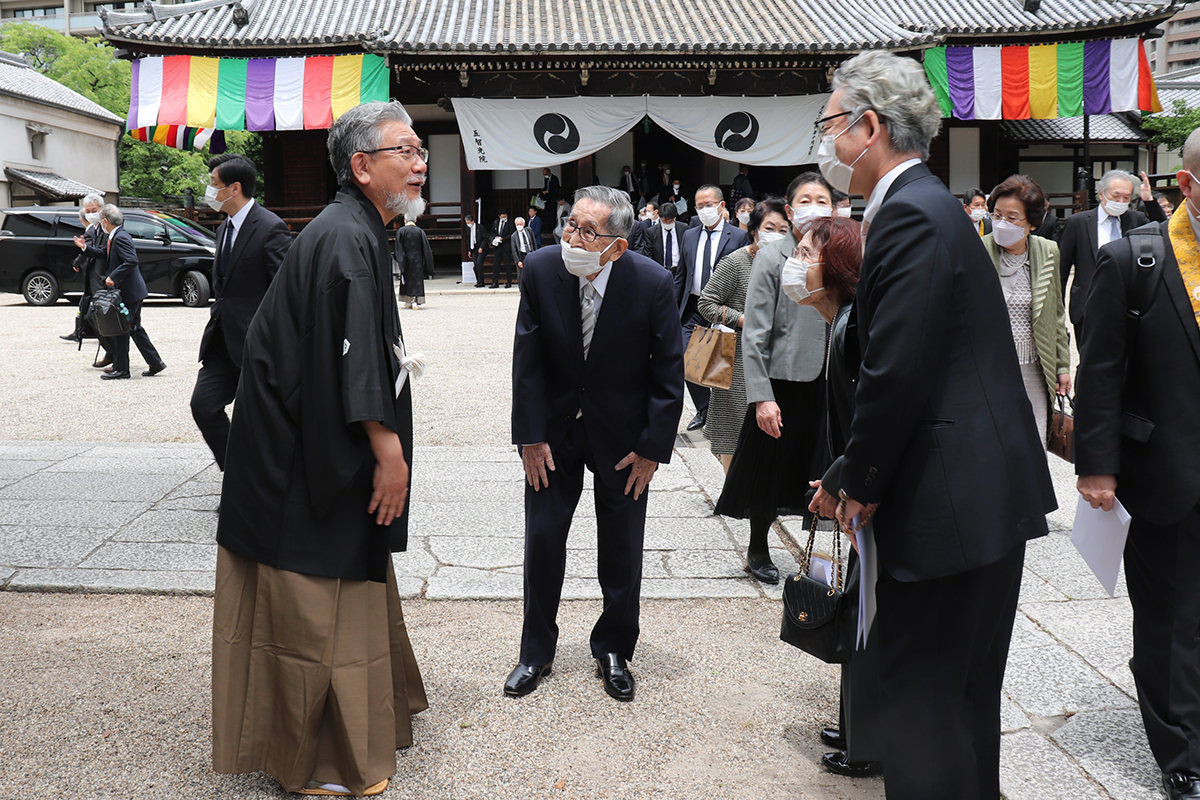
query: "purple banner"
260, 94
131, 122
960, 74
1096, 72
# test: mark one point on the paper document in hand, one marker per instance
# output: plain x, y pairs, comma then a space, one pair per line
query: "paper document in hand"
1099, 536
868, 576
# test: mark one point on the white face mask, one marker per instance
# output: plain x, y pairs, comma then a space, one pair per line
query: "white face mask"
210, 197
520, 228
845, 211
92, 218
837, 173
675, 188
1006, 234
668, 226
803, 216
1115, 209
794, 279
580, 262
766, 237
709, 216
744, 217
977, 214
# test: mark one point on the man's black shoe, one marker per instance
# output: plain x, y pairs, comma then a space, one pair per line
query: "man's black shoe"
157, 368
102, 363
70, 337
832, 737
114, 376
618, 680
838, 765
1182, 787
525, 678
698, 421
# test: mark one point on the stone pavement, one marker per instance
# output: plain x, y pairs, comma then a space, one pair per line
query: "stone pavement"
87, 517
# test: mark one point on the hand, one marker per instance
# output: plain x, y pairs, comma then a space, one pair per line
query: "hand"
520, 265
823, 503
109, 282
741, 320
79, 243
391, 474
1147, 192
536, 459
1098, 490
769, 418
1064, 385
847, 510
640, 475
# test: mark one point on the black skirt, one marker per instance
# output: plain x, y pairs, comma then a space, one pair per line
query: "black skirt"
769, 476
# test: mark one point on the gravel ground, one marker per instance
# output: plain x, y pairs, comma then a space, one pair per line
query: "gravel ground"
107, 696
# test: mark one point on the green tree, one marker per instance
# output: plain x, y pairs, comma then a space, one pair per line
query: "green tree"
1171, 128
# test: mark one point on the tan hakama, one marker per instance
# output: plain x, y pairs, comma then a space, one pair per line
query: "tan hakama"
313, 678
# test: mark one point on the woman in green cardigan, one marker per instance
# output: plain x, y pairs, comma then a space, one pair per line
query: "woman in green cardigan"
1028, 267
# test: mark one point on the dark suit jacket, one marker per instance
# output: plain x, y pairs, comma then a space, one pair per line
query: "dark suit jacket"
550, 191
1138, 388
732, 238
122, 267
630, 389
509, 227
257, 254
96, 259
1078, 245
653, 243
481, 239
943, 435
533, 244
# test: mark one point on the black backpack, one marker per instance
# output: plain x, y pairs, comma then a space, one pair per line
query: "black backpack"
108, 314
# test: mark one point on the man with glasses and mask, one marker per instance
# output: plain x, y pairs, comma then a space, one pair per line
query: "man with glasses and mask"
1136, 438
597, 384
314, 680
943, 448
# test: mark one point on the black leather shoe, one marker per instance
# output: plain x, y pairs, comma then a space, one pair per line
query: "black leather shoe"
525, 678
480, 285
114, 376
157, 368
494, 286
838, 765
832, 737
1182, 787
762, 568
102, 363
70, 337
618, 680
698, 421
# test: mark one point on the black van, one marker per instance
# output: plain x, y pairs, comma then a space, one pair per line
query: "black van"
37, 249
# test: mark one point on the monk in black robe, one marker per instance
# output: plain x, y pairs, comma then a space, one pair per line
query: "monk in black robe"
314, 680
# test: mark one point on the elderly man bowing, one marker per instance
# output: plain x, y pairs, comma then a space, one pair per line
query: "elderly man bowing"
314, 680
597, 383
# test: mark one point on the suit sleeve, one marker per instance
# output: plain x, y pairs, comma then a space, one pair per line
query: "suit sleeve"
529, 380
1066, 251
1153, 211
1102, 367
761, 298
1062, 343
665, 377
127, 259
906, 298
275, 246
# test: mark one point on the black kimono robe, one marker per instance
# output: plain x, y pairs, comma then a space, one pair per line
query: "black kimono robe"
319, 360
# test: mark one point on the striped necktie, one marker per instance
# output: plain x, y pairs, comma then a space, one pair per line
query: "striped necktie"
587, 311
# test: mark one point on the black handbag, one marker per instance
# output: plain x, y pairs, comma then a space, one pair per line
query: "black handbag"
108, 314
817, 617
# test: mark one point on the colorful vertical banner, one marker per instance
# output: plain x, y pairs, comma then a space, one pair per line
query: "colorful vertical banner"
1042, 81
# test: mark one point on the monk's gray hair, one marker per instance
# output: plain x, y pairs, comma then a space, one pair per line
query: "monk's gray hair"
92, 199
895, 88
360, 130
620, 214
1113, 175
113, 215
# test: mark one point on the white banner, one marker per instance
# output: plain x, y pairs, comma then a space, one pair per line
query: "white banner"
530, 134
761, 131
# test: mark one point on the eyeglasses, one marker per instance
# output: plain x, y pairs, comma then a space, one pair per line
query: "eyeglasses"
407, 151
589, 235
1010, 219
823, 123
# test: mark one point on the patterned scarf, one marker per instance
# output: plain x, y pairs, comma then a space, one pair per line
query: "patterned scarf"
1187, 254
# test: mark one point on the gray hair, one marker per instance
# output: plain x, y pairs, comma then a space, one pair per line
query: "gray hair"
1114, 175
91, 199
620, 214
1191, 152
897, 90
360, 130
113, 215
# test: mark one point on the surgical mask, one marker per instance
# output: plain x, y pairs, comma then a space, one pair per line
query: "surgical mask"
92, 218
666, 172
838, 174
1115, 209
845, 212
1006, 234
580, 262
803, 216
210, 197
794, 279
668, 226
520, 227
675, 188
709, 215
978, 214
744, 217
766, 237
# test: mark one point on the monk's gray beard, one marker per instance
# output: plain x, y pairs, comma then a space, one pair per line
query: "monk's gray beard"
398, 203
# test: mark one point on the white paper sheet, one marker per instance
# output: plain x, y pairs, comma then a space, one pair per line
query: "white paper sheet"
820, 568
1099, 536
868, 576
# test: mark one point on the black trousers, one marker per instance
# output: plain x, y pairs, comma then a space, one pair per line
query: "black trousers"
943, 645
120, 344
1161, 567
621, 526
691, 319
216, 386
478, 259
502, 255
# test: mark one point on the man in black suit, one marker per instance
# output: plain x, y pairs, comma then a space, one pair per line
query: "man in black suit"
1086, 232
523, 243
975, 204
597, 383
741, 185
501, 241
662, 240
942, 442
251, 244
702, 246
551, 191
92, 245
123, 273
629, 185
476, 246
1136, 439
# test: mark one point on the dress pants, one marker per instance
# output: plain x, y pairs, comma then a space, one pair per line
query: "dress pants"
621, 528
216, 386
943, 644
1162, 563
691, 319
502, 255
120, 344
478, 259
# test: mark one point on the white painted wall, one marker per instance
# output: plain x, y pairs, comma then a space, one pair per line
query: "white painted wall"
444, 166
964, 159
510, 179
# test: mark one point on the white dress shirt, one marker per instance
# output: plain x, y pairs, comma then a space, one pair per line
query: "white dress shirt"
698, 267
673, 235
471, 233
1103, 226
236, 220
881, 189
